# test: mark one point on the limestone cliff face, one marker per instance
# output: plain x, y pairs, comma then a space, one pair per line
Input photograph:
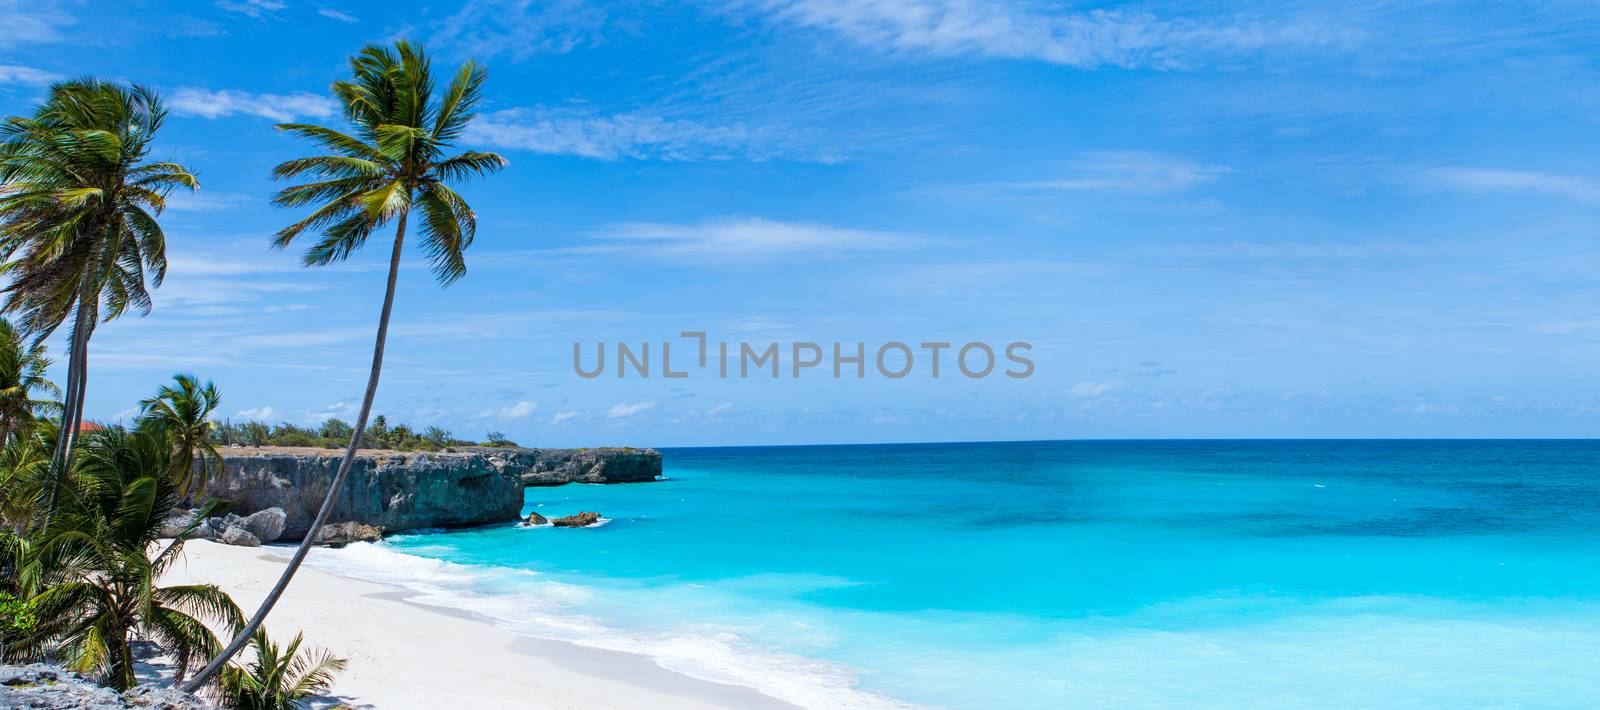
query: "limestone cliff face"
552, 467
406, 490
390, 489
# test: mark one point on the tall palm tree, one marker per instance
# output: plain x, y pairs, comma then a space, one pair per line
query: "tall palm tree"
78, 229
22, 381
396, 160
183, 409
97, 579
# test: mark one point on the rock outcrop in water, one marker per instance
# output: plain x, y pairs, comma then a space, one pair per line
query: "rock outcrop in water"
395, 491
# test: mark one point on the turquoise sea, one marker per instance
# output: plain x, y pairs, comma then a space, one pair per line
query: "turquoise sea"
1227, 574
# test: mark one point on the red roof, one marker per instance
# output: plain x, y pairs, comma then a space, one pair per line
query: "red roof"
89, 426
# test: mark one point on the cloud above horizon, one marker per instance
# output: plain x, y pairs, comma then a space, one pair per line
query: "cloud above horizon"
633, 136
1128, 171
1486, 180
741, 239
219, 103
1030, 31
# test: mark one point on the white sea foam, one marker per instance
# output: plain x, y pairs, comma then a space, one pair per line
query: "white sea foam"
528, 603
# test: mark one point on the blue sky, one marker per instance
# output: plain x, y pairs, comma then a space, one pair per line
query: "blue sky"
1214, 220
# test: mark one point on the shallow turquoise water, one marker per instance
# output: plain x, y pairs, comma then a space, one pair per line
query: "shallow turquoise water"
1069, 574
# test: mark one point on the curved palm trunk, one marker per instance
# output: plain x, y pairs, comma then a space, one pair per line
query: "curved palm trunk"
242, 638
72, 404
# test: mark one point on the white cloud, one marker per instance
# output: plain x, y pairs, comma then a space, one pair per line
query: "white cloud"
1485, 180
1094, 390
259, 414
488, 28
1031, 31
518, 410
28, 76
202, 201
1128, 171
337, 15
252, 8
208, 103
32, 22
743, 238
560, 417
714, 411
624, 410
633, 136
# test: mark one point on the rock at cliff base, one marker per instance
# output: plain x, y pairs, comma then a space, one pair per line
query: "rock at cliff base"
341, 534
267, 525
581, 520
537, 519
179, 519
44, 686
241, 537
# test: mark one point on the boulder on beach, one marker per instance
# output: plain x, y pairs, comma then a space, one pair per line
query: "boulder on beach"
267, 525
179, 519
237, 535
581, 520
341, 534
537, 519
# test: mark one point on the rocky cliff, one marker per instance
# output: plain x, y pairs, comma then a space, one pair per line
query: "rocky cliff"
552, 467
406, 490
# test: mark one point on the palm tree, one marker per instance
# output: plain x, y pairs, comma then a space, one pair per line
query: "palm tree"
78, 230
278, 678
396, 160
183, 409
24, 476
97, 578
22, 380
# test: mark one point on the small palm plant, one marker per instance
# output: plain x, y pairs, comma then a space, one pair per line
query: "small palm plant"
278, 678
78, 229
22, 383
183, 409
24, 476
97, 579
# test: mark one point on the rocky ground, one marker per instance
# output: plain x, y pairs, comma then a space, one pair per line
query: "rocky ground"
44, 686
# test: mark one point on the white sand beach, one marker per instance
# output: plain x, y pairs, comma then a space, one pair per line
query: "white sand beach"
407, 655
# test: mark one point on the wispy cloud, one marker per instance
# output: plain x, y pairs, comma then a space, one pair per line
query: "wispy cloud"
32, 22
562, 417
202, 201
1127, 171
520, 29
1046, 33
625, 410
252, 8
634, 136
256, 414
209, 103
1487, 180
28, 76
742, 238
337, 15
519, 410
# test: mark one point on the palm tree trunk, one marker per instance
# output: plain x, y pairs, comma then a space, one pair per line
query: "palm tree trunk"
72, 404
243, 636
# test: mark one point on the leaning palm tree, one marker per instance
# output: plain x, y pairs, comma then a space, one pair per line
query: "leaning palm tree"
278, 678
78, 230
183, 409
22, 383
395, 161
97, 579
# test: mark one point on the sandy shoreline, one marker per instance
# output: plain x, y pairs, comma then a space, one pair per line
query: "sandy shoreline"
408, 655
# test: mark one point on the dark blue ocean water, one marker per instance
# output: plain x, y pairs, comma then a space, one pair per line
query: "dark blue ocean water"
1070, 574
